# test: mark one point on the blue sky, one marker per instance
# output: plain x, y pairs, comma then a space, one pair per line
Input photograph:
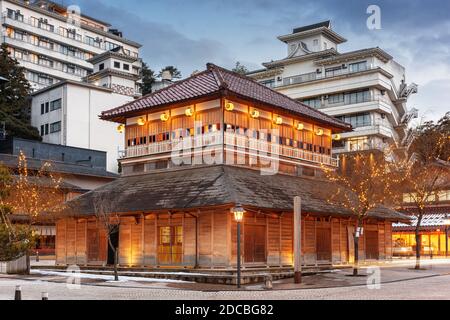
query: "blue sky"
190, 33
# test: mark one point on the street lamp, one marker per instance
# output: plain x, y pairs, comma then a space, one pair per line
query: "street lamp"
238, 217
446, 224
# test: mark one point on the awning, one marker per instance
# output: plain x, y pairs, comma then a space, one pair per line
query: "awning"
429, 221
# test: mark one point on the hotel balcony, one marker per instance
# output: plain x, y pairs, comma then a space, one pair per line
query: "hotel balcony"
234, 143
54, 35
52, 53
55, 71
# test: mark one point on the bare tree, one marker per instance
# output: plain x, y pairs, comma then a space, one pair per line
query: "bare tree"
105, 206
362, 184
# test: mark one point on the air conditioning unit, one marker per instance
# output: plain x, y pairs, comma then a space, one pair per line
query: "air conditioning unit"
98, 40
319, 71
344, 66
279, 79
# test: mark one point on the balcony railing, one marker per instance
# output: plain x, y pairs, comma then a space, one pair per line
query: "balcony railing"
251, 146
63, 36
311, 76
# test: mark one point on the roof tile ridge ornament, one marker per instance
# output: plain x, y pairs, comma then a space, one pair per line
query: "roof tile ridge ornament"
223, 85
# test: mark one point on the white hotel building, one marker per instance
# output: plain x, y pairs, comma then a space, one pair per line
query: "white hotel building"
365, 88
78, 67
54, 43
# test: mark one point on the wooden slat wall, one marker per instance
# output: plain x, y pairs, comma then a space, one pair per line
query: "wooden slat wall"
125, 242
388, 240
71, 241
273, 241
137, 249
208, 117
189, 230
381, 241
103, 245
81, 243
205, 237
150, 241
310, 241
344, 241
287, 241
60, 244
336, 241
219, 237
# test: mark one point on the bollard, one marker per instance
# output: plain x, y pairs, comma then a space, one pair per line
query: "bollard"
18, 293
44, 296
37, 256
268, 282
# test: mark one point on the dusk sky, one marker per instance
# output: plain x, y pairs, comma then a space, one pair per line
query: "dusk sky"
190, 33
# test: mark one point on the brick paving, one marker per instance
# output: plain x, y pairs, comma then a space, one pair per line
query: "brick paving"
399, 281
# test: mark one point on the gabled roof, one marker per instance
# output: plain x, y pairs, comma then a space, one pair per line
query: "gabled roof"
212, 186
217, 80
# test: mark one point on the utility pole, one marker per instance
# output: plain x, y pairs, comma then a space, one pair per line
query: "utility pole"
297, 240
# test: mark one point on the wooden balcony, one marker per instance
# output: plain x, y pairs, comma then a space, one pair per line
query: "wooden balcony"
233, 142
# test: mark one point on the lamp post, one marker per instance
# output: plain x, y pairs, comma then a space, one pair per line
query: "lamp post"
447, 224
238, 217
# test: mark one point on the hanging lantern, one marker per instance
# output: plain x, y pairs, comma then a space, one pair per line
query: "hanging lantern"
189, 112
300, 126
229, 106
278, 120
141, 121
165, 117
337, 137
254, 114
319, 132
121, 128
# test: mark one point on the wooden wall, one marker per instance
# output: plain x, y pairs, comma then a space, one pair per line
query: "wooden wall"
83, 242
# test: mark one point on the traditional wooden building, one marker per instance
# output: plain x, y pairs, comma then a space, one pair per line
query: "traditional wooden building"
198, 149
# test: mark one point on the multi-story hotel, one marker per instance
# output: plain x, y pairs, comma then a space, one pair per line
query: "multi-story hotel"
56, 43
205, 153
366, 88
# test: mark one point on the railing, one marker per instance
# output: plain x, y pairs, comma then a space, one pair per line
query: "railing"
311, 76
56, 31
248, 145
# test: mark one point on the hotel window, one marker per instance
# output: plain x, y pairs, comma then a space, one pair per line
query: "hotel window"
42, 130
101, 67
332, 72
42, 108
44, 25
46, 129
357, 120
127, 52
357, 67
316, 42
116, 65
269, 83
55, 105
46, 44
126, 67
16, 15
55, 127
34, 40
359, 144
89, 40
357, 97
47, 107
444, 196
336, 98
19, 35
45, 62
313, 103
110, 46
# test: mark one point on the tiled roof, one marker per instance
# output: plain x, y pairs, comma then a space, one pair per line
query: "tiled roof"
212, 81
433, 219
220, 185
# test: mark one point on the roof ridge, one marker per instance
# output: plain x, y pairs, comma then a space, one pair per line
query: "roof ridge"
216, 72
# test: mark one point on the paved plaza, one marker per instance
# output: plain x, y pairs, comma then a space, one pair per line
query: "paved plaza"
398, 281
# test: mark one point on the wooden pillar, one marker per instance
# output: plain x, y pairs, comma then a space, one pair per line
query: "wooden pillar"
297, 240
